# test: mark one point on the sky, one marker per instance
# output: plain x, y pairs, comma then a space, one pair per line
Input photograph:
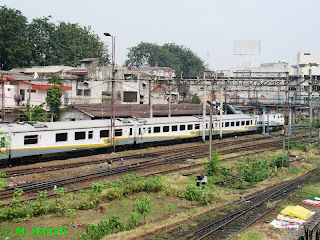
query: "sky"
207, 27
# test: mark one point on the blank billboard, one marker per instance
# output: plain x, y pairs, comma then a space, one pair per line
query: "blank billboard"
246, 47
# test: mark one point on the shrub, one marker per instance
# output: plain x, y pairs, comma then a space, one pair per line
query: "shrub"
133, 220
296, 145
212, 167
254, 171
143, 206
193, 193
278, 161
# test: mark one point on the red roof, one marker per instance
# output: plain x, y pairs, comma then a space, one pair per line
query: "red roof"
40, 87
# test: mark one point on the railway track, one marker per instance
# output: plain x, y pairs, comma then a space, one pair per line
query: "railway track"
227, 226
98, 159
167, 158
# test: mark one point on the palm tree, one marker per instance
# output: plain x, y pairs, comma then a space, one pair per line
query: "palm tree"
33, 113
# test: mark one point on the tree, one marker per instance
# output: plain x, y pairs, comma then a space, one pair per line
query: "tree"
15, 48
53, 98
41, 41
40, 32
33, 113
195, 99
78, 42
179, 58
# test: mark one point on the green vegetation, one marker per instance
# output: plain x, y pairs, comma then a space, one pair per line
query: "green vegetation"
179, 58
212, 166
3, 180
43, 42
33, 113
196, 99
53, 98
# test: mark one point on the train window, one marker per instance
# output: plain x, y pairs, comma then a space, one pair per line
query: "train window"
79, 135
227, 124
118, 133
61, 137
90, 134
149, 130
30, 139
182, 127
139, 131
242, 123
130, 133
206, 125
247, 122
222, 124
232, 124
156, 129
165, 128
237, 123
104, 133
190, 126
174, 128
197, 126
251, 122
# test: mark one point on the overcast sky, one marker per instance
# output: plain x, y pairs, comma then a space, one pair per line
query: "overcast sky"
284, 27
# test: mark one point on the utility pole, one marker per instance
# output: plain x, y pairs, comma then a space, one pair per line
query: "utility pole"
289, 116
263, 120
210, 134
3, 112
204, 109
169, 114
113, 93
221, 107
310, 105
150, 98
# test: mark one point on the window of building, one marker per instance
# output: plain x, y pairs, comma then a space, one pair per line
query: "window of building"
79, 135
156, 129
197, 126
61, 137
104, 133
118, 133
32, 90
182, 127
30, 139
238, 123
227, 124
190, 126
90, 134
174, 128
79, 92
87, 92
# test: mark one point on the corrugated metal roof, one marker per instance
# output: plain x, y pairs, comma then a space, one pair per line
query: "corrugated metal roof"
139, 110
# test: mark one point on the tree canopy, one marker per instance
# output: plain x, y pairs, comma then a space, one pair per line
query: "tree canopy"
42, 42
179, 58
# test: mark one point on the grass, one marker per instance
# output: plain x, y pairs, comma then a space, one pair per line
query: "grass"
309, 191
295, 170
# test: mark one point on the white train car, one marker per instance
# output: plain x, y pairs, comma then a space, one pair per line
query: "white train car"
34, 139
276, 120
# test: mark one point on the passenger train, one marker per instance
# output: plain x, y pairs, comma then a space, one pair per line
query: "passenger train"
37, 138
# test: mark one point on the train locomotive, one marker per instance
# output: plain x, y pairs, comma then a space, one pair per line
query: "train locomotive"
37, 138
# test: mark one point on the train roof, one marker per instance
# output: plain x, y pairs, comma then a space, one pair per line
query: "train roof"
50, 126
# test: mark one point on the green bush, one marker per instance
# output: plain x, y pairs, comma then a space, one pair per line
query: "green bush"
212, 167
296, 145
254, 171
143, 206
133, 220
193, 193
278, 161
